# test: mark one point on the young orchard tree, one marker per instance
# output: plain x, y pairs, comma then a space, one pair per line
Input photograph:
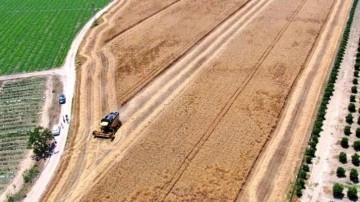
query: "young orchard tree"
357, 132
357, 145
347, 130
338, 190
352, 98
349, 118
344, 142
355, 81
352, 107
352, 193
354, 176
354, 89
355, 159
342, 157
340, 172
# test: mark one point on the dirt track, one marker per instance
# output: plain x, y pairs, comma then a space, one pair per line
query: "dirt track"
191, 139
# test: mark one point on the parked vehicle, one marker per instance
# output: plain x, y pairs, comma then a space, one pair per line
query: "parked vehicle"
55, 131
62, 99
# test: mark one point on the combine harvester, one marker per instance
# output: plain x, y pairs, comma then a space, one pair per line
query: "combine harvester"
108, 126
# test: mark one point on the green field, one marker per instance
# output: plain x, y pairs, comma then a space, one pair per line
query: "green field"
36, 34
20, 104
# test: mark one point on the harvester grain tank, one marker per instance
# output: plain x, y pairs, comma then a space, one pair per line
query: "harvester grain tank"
108, 126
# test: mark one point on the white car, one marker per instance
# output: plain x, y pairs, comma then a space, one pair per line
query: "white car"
55, 130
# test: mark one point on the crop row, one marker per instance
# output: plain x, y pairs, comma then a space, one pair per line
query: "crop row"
37, 34
21, 102
317, 128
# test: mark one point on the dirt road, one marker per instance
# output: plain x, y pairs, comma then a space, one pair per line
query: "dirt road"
223, 73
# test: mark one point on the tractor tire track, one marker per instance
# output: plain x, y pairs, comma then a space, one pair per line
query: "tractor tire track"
279, 155
110, 39
128, 95
191, 155
193, 60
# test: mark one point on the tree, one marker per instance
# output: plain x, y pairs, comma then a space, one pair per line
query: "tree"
340, 172
302, 174
352, 98
357, 133
338, 190
355, 159
312, 144
310, 152
305, 168
357, 145
352, 193
352, 107
355, 81
342, 157
354, 89
354, 176
349, 118
347, 130
39, 141
308, 159
344, 142
356, 73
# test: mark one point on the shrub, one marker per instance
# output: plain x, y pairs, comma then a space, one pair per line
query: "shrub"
347, 130
352, 107
312, 144
310, 152
344, 142
315, 138
302, 174
30, 174
355, 81
354, 176
352, 193
298, 191
357, 132
357, 145
349, 118
337, 190
308, 159
354, 89
305, 168
342, 157
300, 183
353, 98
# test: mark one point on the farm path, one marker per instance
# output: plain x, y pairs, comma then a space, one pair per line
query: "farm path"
292, 130
28, 162
58, 71
68, 80
322, 175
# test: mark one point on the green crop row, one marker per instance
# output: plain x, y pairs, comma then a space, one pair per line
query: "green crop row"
317, 128
19, 113
36, 34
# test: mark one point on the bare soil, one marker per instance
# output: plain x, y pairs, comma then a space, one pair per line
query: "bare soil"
197, 138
